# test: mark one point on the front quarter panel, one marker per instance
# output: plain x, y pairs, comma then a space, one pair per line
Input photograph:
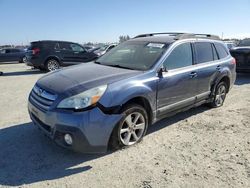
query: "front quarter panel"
144, 85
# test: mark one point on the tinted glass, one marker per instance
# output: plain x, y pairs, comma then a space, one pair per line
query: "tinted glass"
14, 50
222, 52
204, 52
134, 55
181, 56
76, 48
65, 46
245, 42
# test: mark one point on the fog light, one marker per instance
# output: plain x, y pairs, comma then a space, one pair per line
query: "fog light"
68, 139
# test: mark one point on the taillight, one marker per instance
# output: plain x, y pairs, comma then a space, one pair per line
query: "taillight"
35, 51
234, 61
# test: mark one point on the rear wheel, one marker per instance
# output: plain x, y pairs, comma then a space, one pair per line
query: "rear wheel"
52, 65
131, 128
220, 95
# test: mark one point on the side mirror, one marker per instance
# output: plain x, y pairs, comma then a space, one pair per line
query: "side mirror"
161, 71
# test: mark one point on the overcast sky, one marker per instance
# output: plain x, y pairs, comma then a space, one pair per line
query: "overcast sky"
105, 20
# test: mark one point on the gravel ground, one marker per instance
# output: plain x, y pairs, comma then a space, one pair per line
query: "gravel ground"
199, 148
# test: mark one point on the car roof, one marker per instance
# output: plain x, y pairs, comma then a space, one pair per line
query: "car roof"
172, 37
52, 41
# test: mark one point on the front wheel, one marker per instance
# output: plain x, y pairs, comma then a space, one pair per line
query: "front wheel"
220, 95
131, 128
52, 65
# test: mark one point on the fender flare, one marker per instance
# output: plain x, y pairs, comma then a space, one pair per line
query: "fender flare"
218, 80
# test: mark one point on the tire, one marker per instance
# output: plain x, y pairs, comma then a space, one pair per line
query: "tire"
52, 65
131, 128
219, 96
23, 60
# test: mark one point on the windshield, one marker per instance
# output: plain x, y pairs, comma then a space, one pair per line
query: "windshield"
134, 55
245, 42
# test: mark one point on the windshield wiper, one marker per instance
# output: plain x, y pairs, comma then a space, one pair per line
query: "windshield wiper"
119, 66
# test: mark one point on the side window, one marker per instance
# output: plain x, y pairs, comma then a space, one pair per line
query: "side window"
76, 48
215, 53
7, 51
65, 46
221, 50
180, 57
204, 52
15, 50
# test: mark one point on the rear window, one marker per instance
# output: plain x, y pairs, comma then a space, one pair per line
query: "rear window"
35, 45
222, 52
203, 51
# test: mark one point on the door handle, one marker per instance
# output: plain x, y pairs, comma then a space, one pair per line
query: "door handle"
218, 68
193, 74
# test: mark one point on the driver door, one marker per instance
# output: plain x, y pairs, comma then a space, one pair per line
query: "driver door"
177, 86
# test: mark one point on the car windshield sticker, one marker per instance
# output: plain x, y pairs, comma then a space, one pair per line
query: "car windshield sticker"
156, 45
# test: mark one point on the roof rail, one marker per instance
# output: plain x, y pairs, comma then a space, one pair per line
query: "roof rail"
153, 34
179, 36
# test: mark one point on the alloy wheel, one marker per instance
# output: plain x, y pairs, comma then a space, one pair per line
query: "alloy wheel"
132, 128
220, 95
53, 65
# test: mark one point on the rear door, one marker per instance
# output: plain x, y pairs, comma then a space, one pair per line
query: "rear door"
207, 68
177, 87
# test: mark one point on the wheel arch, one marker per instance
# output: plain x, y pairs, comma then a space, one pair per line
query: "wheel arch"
139, 100
142, 101
223, 78
52, 57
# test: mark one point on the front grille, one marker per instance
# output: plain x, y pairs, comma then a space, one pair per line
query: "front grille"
42, 98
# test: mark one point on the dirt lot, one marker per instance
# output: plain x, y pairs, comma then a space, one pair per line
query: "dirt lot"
199, 148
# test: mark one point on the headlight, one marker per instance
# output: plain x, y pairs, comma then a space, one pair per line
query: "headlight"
83, 100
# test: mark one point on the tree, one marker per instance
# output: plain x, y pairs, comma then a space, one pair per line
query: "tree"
123, 38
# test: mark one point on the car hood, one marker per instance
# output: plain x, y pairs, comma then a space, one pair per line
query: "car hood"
76, 79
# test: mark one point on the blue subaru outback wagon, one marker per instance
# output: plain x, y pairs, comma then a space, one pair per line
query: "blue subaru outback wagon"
112, 101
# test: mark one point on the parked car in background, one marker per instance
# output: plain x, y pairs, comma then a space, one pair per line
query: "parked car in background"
104, 49
112, 101
242, 55
89, 48
12, 54
230, 44
51, 55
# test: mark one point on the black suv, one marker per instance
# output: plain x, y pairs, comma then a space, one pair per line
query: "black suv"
51, 55
242, 55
